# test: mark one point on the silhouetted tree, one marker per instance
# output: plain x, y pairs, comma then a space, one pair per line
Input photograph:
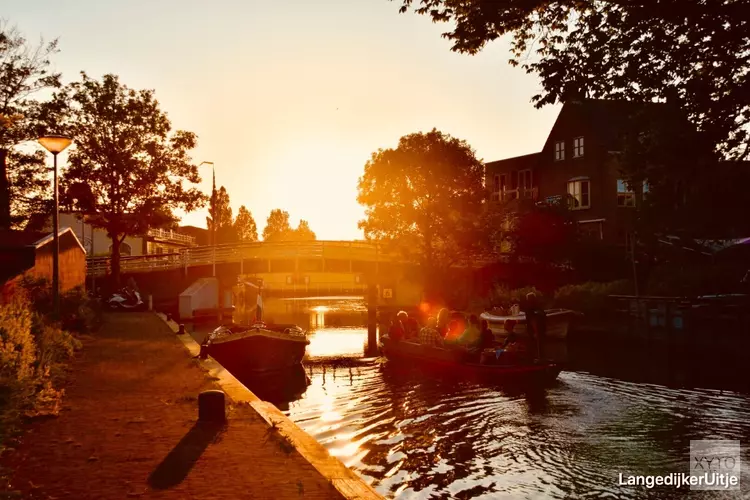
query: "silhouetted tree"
219, 221
662, 151
244, 225
691, 51
424, 198
277, 226
24, 72
124, 150
303, 232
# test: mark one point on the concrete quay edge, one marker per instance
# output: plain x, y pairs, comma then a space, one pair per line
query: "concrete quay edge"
344, 480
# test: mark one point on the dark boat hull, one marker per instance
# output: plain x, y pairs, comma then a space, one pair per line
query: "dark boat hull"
257, 353
453, 362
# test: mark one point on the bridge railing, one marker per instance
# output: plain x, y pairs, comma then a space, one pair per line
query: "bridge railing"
235, 252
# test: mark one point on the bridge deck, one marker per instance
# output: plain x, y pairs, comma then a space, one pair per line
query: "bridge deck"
241, 252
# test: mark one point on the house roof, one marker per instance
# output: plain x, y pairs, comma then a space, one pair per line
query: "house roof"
14, 240
519, 162
608, 117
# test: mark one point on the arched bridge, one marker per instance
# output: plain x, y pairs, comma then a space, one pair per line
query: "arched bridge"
296, 267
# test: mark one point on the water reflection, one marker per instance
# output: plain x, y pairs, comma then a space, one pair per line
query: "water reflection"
413, 435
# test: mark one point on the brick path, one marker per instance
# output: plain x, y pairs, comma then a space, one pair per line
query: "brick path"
128, 430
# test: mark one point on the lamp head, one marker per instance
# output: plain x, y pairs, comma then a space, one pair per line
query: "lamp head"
55, 143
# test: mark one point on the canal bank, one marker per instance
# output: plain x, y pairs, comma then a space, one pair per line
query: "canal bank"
128, 430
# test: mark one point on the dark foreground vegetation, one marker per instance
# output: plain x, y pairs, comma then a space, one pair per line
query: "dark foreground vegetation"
36, 349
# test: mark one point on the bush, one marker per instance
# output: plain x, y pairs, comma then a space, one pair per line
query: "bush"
590, 298
78, 312
33, 354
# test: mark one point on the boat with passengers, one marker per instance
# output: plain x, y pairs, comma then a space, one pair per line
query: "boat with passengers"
465, 364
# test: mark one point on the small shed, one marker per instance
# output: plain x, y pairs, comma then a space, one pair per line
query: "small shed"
30, 253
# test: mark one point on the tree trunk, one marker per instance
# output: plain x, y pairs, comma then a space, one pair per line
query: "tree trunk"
5, 220
116, 260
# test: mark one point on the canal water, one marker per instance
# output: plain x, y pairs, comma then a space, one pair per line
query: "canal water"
413, 435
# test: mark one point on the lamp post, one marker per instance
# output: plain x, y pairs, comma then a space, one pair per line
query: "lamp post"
213, 240
213, 222
55, 143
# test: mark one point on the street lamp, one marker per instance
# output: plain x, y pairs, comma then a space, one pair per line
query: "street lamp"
55, 143
213, 239
213, 222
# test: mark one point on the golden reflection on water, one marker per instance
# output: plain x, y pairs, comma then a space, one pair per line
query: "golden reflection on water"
416, 436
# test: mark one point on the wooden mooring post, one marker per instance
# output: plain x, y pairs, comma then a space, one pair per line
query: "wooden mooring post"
372, 320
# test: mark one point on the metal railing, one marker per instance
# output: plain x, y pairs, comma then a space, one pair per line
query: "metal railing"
170, 235
236, 252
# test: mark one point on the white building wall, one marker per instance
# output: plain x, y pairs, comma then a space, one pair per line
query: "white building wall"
101, 242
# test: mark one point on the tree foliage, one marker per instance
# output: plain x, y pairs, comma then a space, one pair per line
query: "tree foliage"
278, 228
303, 232
244, 225
219, 220
24, 72
137, 169
694, 52
662, 151
424, 198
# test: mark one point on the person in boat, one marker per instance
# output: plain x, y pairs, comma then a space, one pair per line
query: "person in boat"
429, 335
486, 337
456, 326
397, 331
536, 320
411, 327
470, 337
514, 349
443, 318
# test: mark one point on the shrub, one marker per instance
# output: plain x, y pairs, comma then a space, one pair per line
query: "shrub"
78, 312
590, 298
33, 353
17, 346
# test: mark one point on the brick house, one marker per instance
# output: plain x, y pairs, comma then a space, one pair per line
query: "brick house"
30, 253
579, 162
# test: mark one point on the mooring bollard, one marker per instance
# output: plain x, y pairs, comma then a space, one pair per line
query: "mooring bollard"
181, 330
211, 407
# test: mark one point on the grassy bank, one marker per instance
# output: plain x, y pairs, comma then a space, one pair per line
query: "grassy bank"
35, 350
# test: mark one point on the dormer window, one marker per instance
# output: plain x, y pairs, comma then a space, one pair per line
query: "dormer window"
559, 150
577, 147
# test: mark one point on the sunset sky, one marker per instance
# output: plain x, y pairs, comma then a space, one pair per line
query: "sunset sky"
289, 98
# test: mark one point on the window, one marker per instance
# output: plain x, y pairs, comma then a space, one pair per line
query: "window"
625, 195
125, 249
579, 193
496, 188
525, 188
646, 188
559, 150
504, 190
577, 147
